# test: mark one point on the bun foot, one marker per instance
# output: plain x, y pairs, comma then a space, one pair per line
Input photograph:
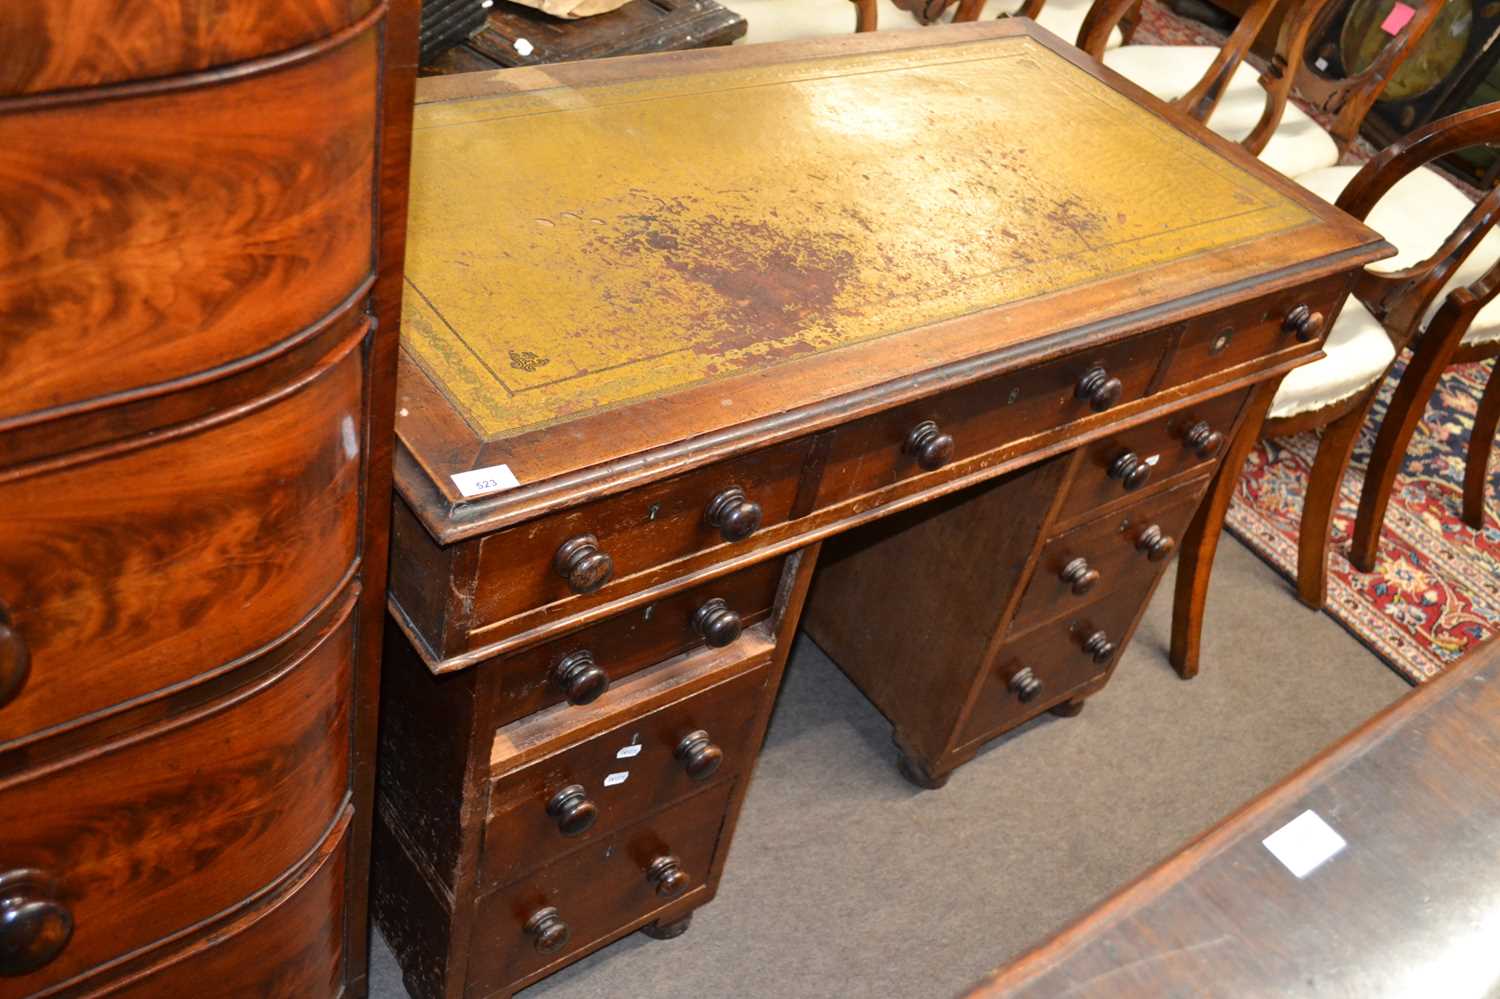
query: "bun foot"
916, 774
668, 931
1069, 709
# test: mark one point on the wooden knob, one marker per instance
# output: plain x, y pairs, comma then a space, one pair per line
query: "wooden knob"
574, 812
718, 625
1079, 575
581, 679
1203, 440
698, 755
1099, 647
667, 875
1156, 543
1025, 684
582, 564
549, 934
735, 516
1130, 470
1303, 321
15, 660
928, 445
34, 925
1099, 389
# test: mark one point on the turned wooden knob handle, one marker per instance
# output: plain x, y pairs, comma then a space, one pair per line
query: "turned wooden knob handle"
698, 755
34, 925
1099, 647
928, 445
582, 564
1156, 543
15, 660
581, 679
1303, 321
1025, 684
1099, 389
735, 516
1079, 575
1203, 440
667, 875
718, 625
1130, 470
549, 934
574, 812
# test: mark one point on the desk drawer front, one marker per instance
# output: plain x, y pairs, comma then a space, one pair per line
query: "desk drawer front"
520, 568
1117, 468
580, 666
1124, 550
596, 892
874, 452
1060, 658
620, 775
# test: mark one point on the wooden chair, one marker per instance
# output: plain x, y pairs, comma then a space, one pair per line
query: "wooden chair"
1217, 86
1382, 316
1061, 17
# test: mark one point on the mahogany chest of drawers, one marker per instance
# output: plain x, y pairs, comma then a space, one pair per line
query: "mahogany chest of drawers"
968, 309
195, 414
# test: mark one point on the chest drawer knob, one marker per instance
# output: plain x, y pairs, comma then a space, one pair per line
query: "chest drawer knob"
698, 755
15, 660
1081, 576
733, 514
931, 448
580, 678
667, 875
718, 625
34, 925
1156, 543
582, 564
549, 934
1099, 647
1025, 684
1303, 321
1099, 389
574, 812
1203, 440
1130, 470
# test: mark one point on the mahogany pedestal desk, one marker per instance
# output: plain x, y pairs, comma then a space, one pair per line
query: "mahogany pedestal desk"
672, 322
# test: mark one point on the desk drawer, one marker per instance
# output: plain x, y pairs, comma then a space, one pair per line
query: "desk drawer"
1243, 333
1115, 469
147, 838
594, 548
1122, 550
595, 893
874, 452
1060, 659
580, 666
593, 788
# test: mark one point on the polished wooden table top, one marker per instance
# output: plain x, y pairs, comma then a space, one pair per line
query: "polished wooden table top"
648, 252
1409, 907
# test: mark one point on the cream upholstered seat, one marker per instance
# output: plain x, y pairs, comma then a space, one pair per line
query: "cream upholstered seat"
1356, 354
1064, 18
1299, 143
784, 20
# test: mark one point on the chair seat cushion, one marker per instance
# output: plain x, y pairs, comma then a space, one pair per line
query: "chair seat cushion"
785, 20
1416, 216
1356, 354
1299, 143
1064, 18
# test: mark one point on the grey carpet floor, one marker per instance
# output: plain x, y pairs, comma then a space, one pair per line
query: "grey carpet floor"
844, 881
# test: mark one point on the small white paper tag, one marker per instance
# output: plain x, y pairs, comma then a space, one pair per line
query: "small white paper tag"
478, 481
618, 777
1304, 843
523, 47
629, 751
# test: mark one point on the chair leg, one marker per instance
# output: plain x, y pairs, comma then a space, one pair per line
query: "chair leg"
1432, 355
1334, 450
1201, 540
1476, 473
866, 16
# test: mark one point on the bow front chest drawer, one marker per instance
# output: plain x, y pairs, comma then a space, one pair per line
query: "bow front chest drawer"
677, 325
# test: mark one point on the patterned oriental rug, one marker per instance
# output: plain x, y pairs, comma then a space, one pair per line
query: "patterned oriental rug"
1436, 591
